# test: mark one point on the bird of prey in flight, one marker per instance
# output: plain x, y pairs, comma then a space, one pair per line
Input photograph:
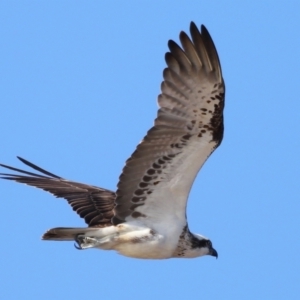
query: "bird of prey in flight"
146, 216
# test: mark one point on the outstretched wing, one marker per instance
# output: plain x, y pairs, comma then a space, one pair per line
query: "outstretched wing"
93, 204
157, 178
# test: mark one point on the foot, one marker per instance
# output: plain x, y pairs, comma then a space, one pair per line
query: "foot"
85, 242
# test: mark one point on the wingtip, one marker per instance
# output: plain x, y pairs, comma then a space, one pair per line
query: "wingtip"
205, 33
192, 24
23, 160
203, 29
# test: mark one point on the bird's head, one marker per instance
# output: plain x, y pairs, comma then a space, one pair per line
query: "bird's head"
201, 246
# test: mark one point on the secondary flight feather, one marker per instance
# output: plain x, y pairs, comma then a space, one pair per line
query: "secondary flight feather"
146, 216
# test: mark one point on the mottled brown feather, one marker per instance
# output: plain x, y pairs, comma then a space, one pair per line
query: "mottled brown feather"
95, 205
191, 104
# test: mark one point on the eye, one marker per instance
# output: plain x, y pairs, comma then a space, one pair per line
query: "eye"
208, 244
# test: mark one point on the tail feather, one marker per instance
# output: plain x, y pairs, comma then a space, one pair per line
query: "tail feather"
65, 233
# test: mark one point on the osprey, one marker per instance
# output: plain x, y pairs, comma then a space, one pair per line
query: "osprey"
146, 216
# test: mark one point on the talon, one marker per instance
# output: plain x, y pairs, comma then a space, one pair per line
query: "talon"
84, 242
78, 247
78, 242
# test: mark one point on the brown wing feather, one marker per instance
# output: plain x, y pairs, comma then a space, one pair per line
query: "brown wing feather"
93, 204
191, 109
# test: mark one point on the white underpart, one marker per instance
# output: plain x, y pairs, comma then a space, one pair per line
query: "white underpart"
165, 206
129, 240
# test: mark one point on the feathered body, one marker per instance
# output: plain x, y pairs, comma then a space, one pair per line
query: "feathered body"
146, 216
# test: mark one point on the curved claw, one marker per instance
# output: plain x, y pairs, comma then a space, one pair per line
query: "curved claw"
78, 242
78, 247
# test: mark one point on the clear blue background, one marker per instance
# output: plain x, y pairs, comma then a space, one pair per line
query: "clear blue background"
78, 87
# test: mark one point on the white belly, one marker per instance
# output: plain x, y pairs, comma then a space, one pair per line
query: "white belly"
152, 248
140, 242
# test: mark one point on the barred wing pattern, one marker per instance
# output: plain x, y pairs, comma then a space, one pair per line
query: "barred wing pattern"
157, 178
93, 204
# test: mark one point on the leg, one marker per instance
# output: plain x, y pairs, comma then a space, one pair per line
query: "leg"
86, 242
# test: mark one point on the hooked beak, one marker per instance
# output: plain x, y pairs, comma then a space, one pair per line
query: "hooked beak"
213, 252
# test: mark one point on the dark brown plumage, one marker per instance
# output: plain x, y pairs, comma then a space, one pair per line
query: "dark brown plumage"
180, 119
188, 128
95, 205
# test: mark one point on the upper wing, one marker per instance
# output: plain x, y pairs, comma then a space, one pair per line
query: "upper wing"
157, 178
93, 204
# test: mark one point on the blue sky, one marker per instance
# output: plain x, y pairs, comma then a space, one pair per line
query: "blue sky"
78, 86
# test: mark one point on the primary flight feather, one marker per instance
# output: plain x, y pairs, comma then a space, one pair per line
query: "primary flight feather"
146, 216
